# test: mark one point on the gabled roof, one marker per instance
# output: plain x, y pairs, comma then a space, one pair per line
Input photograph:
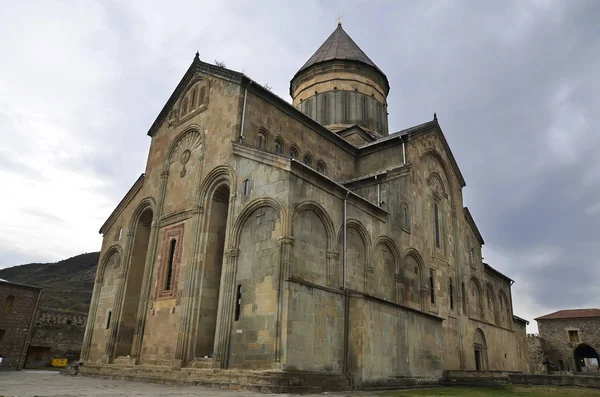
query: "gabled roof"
571, 313
471, 222
339, 46
356, 129
414, 132
490, 269
137, 185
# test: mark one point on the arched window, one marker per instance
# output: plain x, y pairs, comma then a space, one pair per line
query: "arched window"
436, 221
405, 219
184, 106
320, 167
431, 286
262, 140
108, 317
278, 146
307, 160
293, 152
202, 94
325, 109
346, 101
169, 275
9, 305
119, 234
193, 98
365, 111
238, 302
246, 187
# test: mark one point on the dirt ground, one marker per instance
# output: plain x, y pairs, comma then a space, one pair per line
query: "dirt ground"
30, 383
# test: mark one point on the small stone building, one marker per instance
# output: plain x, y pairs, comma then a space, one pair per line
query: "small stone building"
55, 335
570, 339
18, 306
299, 240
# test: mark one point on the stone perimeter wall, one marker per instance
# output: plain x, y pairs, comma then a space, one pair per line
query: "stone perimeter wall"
15, 324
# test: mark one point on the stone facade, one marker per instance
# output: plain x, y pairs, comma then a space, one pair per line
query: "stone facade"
55, 335
259, 239
18, 306
570, 341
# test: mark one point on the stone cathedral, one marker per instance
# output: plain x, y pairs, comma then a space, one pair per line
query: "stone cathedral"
296, 247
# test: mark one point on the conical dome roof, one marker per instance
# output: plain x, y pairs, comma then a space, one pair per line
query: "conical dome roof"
339, 46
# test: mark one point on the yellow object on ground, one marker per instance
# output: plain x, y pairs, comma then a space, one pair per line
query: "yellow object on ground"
59, 362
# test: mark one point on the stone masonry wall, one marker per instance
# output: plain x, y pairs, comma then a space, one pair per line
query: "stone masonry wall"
62, 333
15, 322
555, 338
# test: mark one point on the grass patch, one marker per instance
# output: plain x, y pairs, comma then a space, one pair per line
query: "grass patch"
508, 391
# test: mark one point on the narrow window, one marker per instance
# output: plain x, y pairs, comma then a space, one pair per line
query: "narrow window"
451, 293
246, 187
472, 256
573, 336
170, 265
405, 216
464, 297
364, 109
436, 221
9, 305
2, 332
346, 101
379, 116
193, 98
325, 110
561, 365
320, 167
293, 153
278, 146
238, 302
261, 141
202, 94
108, 319
489, 299
184, 106
431, 287
308, 109
307, 160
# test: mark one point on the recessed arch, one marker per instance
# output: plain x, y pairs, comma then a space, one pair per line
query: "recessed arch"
294, 151
279, 145
262, 138
444, 166
222, 174
480, 350
581, 352
105, 259
191, 138
321, 213
249, 210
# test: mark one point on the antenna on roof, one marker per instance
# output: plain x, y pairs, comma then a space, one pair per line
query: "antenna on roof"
339, 19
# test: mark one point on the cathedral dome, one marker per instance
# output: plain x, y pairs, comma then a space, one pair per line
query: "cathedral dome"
340, 86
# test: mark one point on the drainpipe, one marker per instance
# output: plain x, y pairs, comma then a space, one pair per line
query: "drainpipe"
29, 332
403, 152
242, 137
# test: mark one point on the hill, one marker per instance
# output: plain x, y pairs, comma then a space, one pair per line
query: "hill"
67, 284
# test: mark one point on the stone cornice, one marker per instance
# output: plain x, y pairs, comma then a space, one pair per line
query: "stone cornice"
137, 186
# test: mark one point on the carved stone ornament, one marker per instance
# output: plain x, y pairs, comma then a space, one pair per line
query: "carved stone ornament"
172, 117
191, 142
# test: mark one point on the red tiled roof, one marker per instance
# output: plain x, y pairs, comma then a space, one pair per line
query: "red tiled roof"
571, 313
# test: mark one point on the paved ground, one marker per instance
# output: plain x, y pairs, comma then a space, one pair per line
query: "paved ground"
45, 384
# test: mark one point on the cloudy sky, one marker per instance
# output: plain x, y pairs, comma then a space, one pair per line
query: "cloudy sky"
515, 84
